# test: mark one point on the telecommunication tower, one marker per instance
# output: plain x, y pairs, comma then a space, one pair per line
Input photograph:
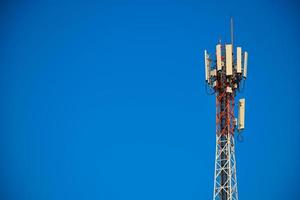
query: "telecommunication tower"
225, 74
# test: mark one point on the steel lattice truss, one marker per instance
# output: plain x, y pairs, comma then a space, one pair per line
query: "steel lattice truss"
225, 182
229, 186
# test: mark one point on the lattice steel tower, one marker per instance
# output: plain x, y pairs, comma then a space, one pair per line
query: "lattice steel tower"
225, 74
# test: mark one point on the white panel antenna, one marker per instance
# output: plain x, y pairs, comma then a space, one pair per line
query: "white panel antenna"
239, 60
245, 64
241, 117
219, 60
207, 67
228, 59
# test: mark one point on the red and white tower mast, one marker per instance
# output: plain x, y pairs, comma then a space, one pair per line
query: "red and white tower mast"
225, 74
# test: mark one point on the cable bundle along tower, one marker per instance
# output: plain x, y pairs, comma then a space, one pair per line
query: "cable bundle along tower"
225, 74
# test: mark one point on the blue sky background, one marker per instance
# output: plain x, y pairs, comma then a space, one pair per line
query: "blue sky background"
107, 101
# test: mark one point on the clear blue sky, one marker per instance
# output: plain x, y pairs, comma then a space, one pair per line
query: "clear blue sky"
107, 101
